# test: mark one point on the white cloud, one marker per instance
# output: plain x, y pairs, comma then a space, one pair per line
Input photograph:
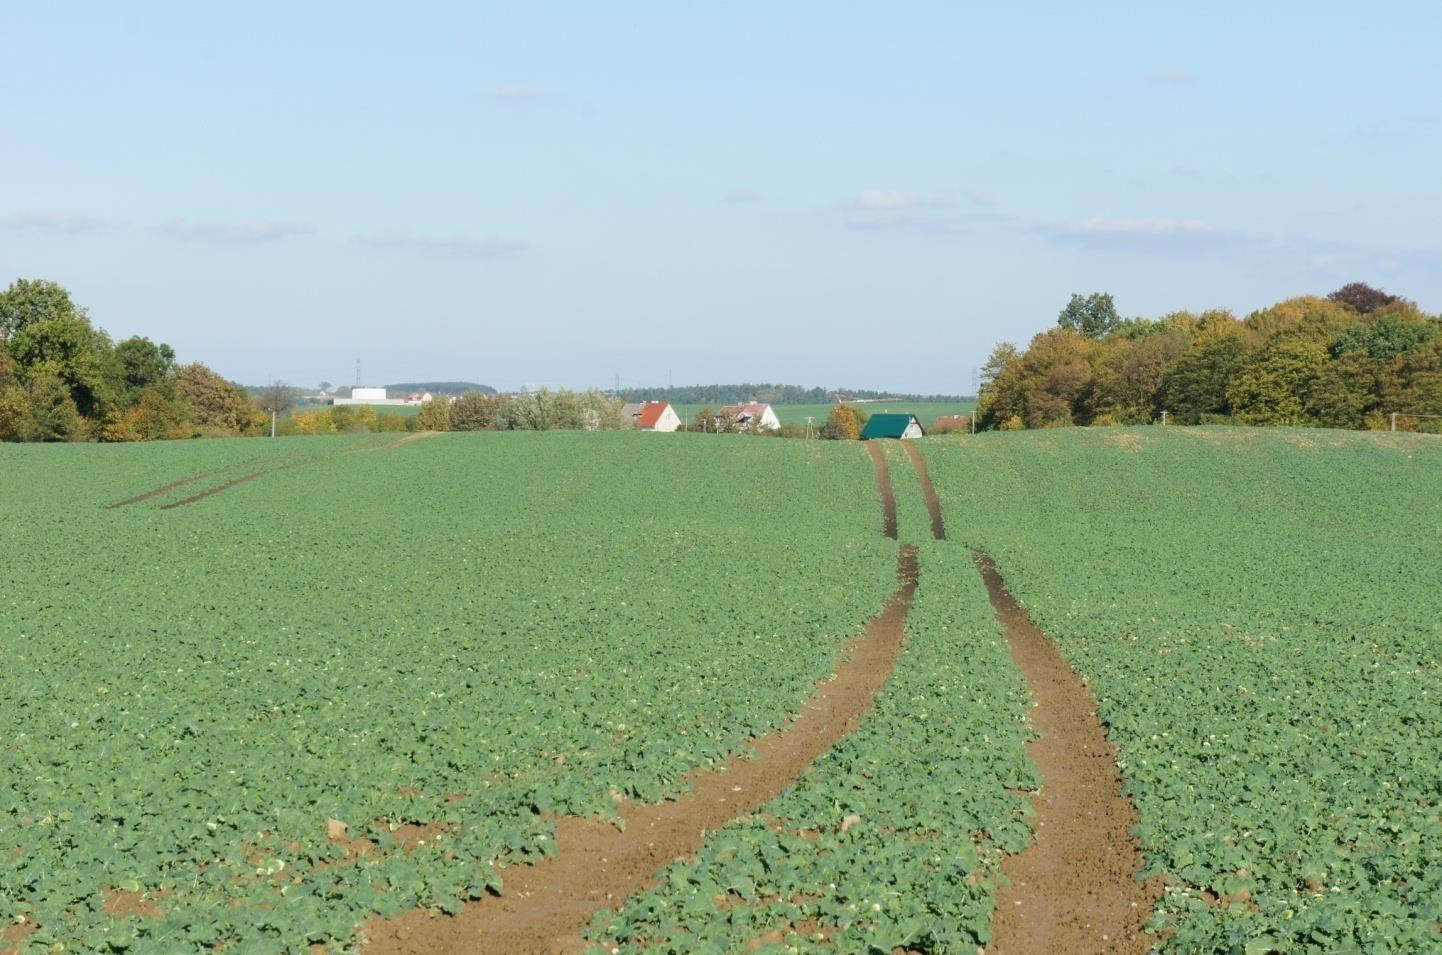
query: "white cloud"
741, 196
889, 209
516, 93
52, 223
978, 197
460, 244
239, 231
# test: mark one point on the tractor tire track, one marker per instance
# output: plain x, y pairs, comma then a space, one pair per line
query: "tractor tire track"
1075, 888
883, 487
923, 477
215, 490
157, 492
546, 906
272, 459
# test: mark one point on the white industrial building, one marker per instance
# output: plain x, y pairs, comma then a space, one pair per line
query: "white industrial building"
368, 396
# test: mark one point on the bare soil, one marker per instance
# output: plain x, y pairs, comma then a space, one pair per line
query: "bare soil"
547, 905
933, 504
883, 486
1074, 890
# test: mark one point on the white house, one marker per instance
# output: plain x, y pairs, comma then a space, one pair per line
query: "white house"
753, 414
652, 415
368, 396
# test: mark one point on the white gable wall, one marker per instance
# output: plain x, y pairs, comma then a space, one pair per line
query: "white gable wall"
669, 420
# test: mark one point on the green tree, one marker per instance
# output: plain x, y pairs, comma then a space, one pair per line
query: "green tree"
1271, 389
1344, 391
1196, 384
435, 415
1129, 375
28, 301
1388, 337
999, 394
52, 415
71, 349
138, 364
1092, 315
475, 411
1412, 383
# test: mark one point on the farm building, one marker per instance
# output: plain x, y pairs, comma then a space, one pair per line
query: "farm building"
368, 396
892, 426
652, 415
753, 414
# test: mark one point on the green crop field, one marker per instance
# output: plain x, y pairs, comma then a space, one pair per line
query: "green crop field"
288, 685
191, 694
1260, 616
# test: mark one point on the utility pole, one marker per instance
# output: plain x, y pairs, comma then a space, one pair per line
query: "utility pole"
1164, 419
272, 422
808, 427
1394, 421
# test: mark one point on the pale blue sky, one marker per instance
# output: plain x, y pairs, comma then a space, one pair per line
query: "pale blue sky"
819, 193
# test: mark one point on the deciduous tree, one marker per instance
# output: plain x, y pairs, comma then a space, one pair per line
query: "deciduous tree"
1091, 315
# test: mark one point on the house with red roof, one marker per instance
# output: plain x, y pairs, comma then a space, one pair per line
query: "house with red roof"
753, 415
652, 415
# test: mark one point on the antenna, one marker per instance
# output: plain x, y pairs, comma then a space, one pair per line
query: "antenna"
618, 383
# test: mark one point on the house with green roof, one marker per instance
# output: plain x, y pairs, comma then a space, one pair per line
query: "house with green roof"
892, 426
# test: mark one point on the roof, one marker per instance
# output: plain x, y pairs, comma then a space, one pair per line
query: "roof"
646, 414
888, 425
651, 413
754, 409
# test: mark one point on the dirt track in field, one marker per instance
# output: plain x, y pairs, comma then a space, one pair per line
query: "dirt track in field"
1074, 890
546, 906
381, 442
933, 503
883, 486
157, 492
417, 436
215, 490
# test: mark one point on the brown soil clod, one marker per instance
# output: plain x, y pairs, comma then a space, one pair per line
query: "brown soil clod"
883, 485
546, 906
1075, 888
933, 503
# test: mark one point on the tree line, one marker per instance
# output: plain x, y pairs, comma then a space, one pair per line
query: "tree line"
544, 410
64, 379
722, 395
1349, 360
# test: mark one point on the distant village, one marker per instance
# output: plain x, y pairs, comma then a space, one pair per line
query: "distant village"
661, 416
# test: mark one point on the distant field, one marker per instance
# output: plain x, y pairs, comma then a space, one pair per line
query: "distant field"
927, 411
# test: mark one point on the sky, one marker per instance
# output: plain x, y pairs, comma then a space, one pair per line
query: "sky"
837, 194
